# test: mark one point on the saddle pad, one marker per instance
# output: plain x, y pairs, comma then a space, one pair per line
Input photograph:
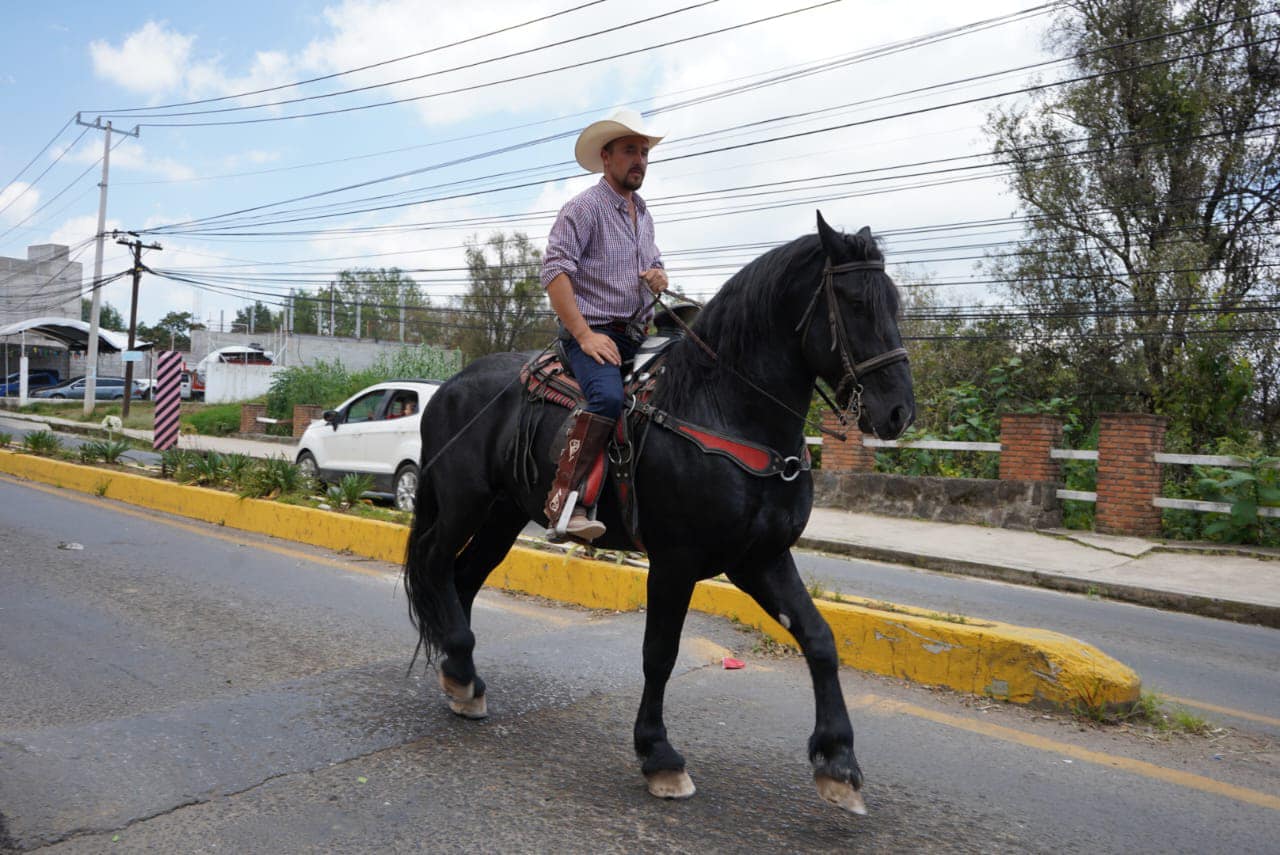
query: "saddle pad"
546, 376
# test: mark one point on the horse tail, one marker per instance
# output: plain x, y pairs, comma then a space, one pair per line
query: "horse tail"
426, 605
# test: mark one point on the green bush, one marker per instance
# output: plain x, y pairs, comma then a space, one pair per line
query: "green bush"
5, 439
42, 442
330, 383
271, 477
348, 491
216, 420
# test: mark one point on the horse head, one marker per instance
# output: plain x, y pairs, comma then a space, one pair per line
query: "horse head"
849, 334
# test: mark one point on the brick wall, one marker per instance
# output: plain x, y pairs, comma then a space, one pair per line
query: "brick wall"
249, 417
303, 415
1128, 475
848, 456
1026, 440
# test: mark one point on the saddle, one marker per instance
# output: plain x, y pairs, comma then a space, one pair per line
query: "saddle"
548, 378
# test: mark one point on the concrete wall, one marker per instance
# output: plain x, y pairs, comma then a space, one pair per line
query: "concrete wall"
227, 383
47, 283
978, 501
355, 354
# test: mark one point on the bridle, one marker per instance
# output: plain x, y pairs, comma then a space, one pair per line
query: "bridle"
853, 371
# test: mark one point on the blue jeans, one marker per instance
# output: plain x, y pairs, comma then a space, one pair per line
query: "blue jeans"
602, 383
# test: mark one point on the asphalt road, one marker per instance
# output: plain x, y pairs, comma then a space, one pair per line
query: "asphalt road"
178, 687
1228, 670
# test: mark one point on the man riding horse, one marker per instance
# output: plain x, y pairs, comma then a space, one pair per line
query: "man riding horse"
601, 266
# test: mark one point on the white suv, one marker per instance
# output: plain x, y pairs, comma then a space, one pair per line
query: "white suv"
375, 432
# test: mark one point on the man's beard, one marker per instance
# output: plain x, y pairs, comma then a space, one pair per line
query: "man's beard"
633, 180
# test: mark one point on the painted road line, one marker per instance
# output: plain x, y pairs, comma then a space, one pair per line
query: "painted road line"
1177, 777
1231, 711
1019, 664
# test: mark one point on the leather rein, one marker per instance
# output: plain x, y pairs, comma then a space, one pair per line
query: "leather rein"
854, 371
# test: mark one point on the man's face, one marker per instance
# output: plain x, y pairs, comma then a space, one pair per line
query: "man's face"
625, 161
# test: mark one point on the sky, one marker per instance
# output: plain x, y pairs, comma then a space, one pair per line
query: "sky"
846, 107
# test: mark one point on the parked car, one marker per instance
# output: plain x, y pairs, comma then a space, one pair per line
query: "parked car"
375, 432
41, 378
106, 389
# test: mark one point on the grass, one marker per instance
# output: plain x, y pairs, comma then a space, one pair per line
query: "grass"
1149, 711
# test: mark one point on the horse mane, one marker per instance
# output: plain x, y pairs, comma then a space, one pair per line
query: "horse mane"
753, 307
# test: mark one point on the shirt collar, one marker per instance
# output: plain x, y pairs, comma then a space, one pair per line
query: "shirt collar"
619, 201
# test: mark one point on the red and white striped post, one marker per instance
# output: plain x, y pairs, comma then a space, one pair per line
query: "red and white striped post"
168, 399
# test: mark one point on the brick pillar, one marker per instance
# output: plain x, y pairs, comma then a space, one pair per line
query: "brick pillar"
1026, 440
303, 415
249, 417
848, 456
1128, 475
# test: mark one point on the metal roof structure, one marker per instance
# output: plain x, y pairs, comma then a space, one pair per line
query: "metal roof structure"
74, 334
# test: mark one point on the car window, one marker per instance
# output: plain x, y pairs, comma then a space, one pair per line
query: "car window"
403, 403
365, 407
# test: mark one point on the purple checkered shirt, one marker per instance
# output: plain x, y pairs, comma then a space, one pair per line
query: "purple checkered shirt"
594, 242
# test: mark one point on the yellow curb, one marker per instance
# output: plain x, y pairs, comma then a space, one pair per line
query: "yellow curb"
1019, 664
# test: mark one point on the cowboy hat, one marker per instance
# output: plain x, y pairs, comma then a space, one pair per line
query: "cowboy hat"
597, 135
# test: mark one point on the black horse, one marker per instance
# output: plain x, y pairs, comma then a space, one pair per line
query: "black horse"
820, 306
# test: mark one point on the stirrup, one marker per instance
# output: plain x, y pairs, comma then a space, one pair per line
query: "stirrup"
562, 525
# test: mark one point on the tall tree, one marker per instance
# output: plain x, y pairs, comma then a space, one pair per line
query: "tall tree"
1150, 188
257, 318
108, 316
505, 307
172, 332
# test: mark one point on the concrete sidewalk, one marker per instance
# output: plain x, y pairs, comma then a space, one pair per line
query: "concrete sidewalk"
1237, 583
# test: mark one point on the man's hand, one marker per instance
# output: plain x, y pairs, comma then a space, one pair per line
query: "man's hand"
600, 347
656, 279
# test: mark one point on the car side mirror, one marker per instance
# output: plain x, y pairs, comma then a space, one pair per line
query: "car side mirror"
331, 417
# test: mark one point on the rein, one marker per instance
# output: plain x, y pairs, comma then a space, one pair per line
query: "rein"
854, 371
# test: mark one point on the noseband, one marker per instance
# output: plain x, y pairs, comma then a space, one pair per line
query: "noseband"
853, 371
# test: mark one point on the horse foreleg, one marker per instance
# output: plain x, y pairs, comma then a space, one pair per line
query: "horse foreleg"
661, 764
777, 587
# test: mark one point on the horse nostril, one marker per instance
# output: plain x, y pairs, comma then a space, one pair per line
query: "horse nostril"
899, 419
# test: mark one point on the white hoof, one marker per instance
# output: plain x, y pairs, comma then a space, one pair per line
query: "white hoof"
457, 691
669, 784
841, 794
476, 708
463, 700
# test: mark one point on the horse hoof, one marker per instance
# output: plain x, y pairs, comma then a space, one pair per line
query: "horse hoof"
841, 794
671, 784
457, 691
474, 709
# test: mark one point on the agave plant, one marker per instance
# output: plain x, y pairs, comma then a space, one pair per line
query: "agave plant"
203, 469
42, 442
239, 469
273, 476
107, 452
349, 490
5, 439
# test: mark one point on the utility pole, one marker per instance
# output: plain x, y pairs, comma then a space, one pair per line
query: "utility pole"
137, 246
91, 370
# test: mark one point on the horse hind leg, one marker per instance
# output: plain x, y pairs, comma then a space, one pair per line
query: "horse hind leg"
485, 551
440, 531
778, 589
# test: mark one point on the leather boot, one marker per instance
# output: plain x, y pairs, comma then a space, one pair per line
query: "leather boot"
586, 439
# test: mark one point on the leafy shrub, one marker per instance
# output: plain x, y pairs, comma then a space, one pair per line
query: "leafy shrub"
5, 439
272, 477
106, 451
348, 491
43, 442
239, 469
1246, 490
206, 470
330, 383
216, 420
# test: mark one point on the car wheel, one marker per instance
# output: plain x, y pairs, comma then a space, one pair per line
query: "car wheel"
59, 397
406, 487
307, 466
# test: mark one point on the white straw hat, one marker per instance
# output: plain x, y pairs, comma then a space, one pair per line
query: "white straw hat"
624, 123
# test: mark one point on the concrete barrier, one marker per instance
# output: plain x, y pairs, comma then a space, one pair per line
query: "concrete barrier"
1018, 664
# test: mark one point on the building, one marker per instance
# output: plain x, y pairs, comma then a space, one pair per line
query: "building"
47, 283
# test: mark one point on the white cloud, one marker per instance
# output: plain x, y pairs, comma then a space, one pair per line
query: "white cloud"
134, 157
152, 60
18, 201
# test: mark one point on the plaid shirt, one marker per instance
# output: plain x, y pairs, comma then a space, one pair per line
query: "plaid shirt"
594, 242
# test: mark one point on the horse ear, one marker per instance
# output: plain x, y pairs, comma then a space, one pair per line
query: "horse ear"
830, 238
865, 232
